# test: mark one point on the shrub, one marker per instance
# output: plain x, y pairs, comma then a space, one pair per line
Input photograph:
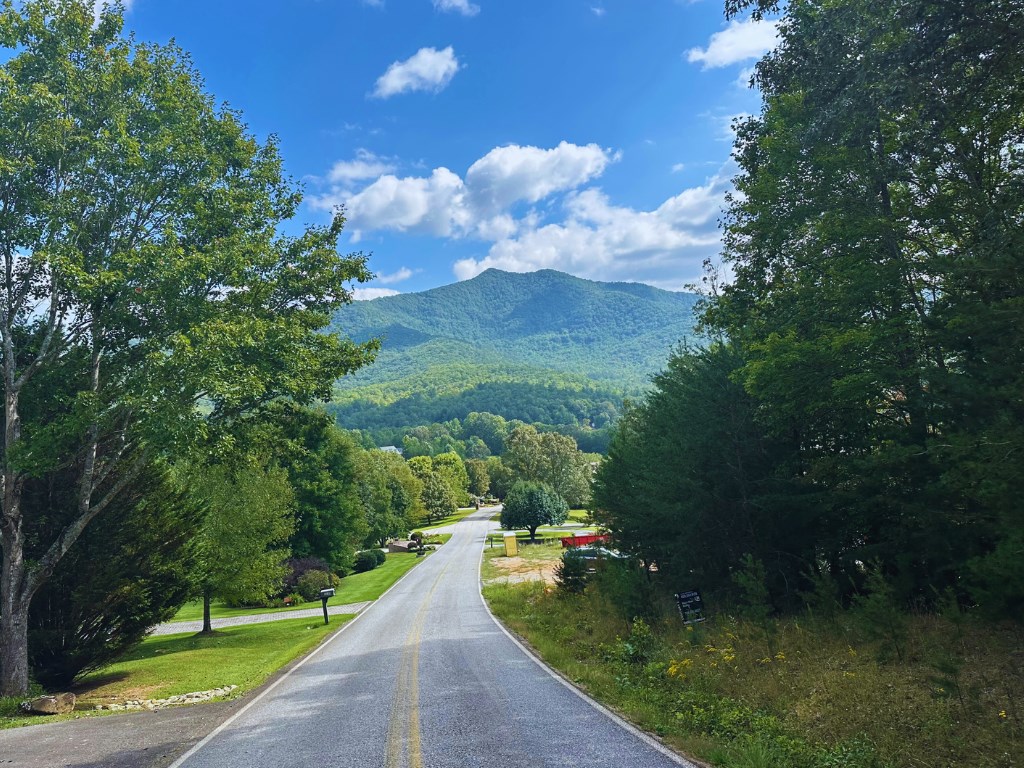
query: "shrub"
571, 572
417, 536
298, 566
311, 582
368, 559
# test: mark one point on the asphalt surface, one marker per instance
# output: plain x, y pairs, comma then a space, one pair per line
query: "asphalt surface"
423, 678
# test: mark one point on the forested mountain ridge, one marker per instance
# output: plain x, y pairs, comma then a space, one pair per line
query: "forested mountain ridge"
543, 347
618, 332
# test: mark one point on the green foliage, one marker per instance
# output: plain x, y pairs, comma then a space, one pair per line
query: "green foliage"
146, 271
322, 462
530, 505
129, 571
692, 482
877, 291
880, 610
451, 468
571, 572
545, 320
311, 582
551, 459
438, 498
368, 559
391, 495
479, 480
249, 518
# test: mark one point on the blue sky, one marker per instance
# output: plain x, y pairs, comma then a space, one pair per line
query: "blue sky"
589, 136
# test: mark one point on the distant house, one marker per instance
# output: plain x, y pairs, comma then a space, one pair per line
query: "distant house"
390, 449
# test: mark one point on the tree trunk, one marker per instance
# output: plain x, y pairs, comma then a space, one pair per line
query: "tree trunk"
13, 624
533, 535
207, 624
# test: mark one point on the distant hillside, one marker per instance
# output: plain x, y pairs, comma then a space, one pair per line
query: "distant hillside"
520, 345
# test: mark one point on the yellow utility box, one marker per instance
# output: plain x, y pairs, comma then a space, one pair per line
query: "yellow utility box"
511, 545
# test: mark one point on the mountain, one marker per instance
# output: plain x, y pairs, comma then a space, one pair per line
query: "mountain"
542, 344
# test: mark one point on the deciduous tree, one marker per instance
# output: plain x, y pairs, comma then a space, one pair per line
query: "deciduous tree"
140, 249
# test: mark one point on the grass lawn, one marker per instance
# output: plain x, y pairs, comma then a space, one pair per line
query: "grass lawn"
450, 520
168, 665
353, 589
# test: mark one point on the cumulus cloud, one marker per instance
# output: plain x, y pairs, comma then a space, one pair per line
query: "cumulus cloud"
506, 175
740, 41
366, 294
365, 165
395, 277
464, 7
443, 204
602, 241
426, 70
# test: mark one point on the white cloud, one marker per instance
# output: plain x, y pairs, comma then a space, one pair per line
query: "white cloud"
598, 10
395, 277
506, 175
740, 41
435, 205
445, 205
464, 7
678, 167
366, 165
426, 70
366, 294
601, 241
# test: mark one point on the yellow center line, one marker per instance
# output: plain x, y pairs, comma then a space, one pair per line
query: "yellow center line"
404, 725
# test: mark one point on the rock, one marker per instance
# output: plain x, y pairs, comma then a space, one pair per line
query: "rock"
55, 704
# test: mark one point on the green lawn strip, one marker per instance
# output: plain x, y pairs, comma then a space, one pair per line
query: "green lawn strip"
450, 520
823, 694
355, 588
168, 665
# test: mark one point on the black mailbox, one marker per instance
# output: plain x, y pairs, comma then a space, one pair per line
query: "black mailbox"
324, 594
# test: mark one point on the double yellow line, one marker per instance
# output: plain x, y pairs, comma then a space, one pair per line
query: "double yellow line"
404, 724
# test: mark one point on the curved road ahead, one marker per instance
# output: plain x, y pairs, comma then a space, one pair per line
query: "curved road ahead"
424, 678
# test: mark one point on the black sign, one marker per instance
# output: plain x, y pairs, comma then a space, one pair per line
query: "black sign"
691, 607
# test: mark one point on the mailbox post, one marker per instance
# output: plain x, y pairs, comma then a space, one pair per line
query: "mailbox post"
324, 594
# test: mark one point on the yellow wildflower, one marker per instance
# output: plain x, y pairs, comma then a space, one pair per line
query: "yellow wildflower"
780, 656
1002, 714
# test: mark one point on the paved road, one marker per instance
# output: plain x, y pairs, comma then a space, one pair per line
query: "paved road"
424, 677
176, 627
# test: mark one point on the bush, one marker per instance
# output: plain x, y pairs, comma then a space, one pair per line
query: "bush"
298, 566
571, 573
369, 559
417, 536
311, 582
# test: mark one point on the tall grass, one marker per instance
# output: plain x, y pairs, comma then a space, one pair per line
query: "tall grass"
811, 693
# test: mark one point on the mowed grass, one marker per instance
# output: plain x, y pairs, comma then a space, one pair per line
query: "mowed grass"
169, 665
356, 588
450, 520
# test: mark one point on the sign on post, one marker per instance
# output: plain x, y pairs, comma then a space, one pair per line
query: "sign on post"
691, 606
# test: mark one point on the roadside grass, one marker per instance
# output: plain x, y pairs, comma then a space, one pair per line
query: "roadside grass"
168, 665
797, 693
355, 588
531, 561
461, 514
